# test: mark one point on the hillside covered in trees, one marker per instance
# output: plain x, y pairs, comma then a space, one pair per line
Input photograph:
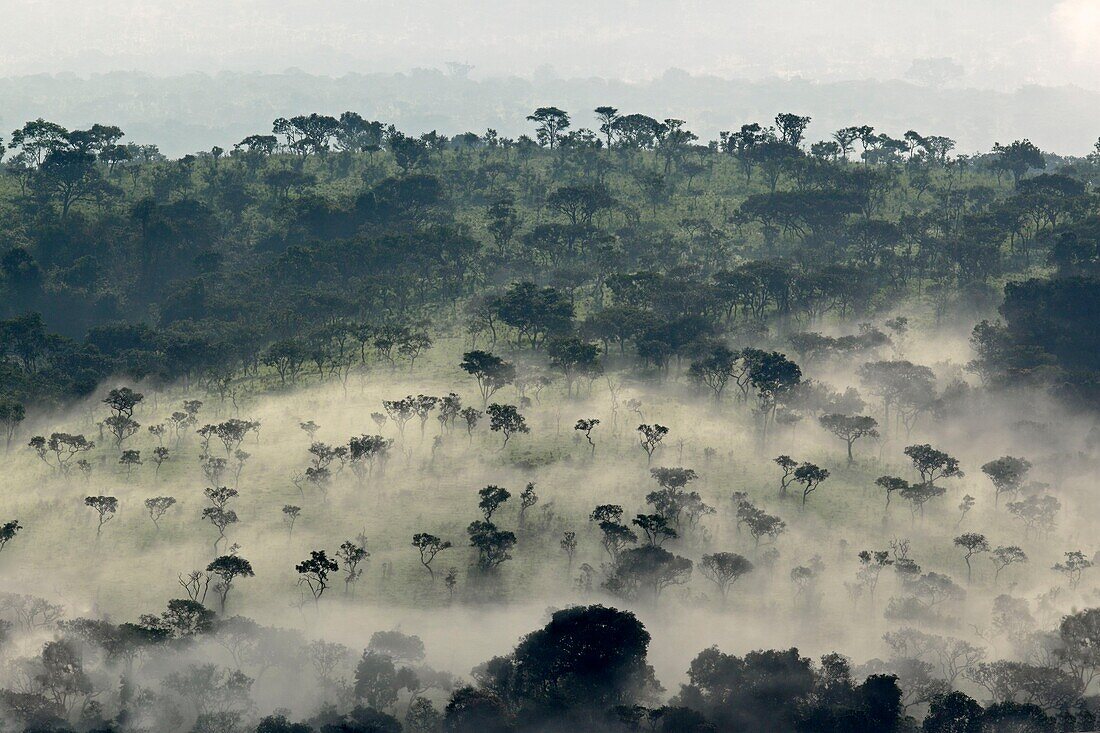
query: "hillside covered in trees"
606, 427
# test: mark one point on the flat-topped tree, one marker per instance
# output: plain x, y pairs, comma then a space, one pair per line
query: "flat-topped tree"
810, 476
933, 464
889, 485
123, 401
228, 568
1003, 556
61, 448
972, 543
400, 412
506, 419
105, 507
290, 516
8, 531
650, 437
493, 545
423, 405
586, 426
724, 569
157, 507
850, 428
715, 369
491, 372
314, 572
788, 465
429, 546
1007, 474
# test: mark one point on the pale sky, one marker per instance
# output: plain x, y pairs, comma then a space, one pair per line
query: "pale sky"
1000, 44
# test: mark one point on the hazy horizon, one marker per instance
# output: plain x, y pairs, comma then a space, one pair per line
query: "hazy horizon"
1046, 42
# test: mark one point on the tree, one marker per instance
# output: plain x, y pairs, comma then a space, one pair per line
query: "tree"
157, 507
1073, 567
568, 545
1004, 556
228, 568
471, 417
1007, 475
290, 516
492, 372
1018, 158
791, 127
492, 498
850, 428
810, 476
759, 523
586, 660
130, 458
648, 569
715, 370
933, 464
586, 426
429, 546
8, 530
12, 413
352, 554
788, 465
550, 123
493, 544
607, 116
573, 357
972, 544
650, 437
314, 572
920, 494
105, 507
655, 527
506, 419
724, 569
1079, 633
953, 712
376, 680
890, 484
772, 375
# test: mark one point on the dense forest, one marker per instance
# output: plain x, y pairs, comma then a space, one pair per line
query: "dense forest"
602, 428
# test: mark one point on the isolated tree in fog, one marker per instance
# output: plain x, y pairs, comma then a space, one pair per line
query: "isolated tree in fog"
724, 569
972, 544
471, 417
228, 568
788, 465
616, 535
650, 437
586, 426
648, 569
290, 516
889, 485
850, 428
1004, 556
105, 507
8, 530
506, 419
1007, 475
352, 554
810, 476
493, 544
429, 546
158, 506
550, 123
1073, 567
314, 572
933, 464
130, 458
490, 499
